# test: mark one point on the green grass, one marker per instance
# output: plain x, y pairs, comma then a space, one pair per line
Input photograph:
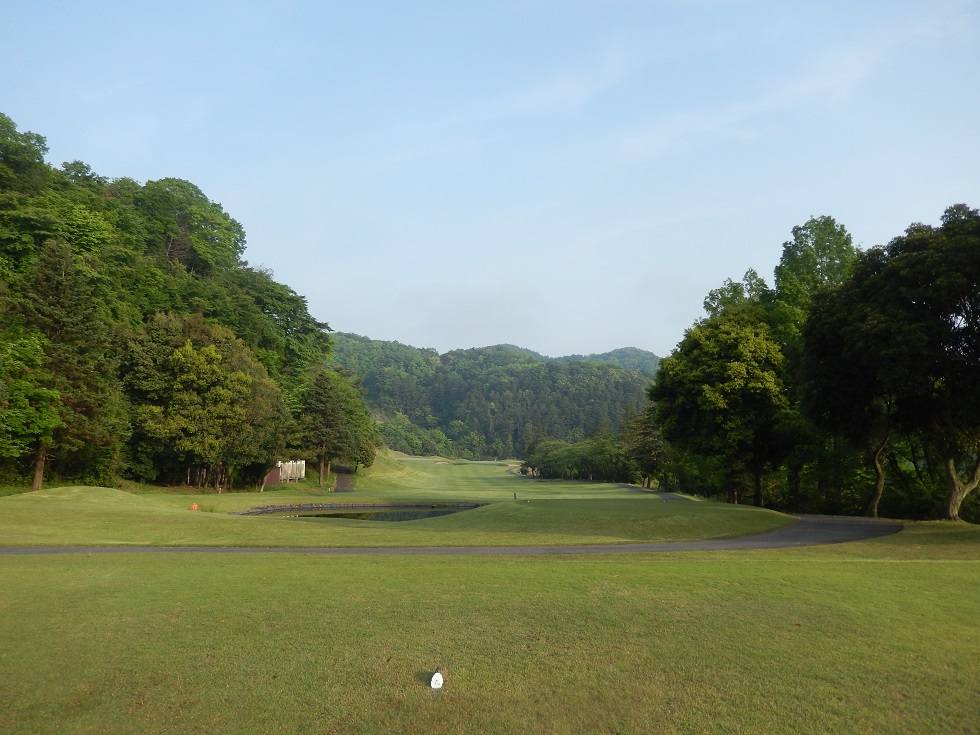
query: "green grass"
871, 637
839, 640
543, 514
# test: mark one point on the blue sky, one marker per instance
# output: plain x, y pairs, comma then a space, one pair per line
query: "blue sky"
570, 176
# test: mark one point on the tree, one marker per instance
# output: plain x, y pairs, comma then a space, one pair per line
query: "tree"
203, 407
720, 393
22, 166
28, 410
820, 255
334, 422
932, 281
851, 370
64, 302
185, 226
898, 348
644, 443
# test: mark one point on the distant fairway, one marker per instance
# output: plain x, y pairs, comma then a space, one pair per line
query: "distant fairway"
870, 637
544, 513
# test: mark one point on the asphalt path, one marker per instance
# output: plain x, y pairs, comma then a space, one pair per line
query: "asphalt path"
808, 531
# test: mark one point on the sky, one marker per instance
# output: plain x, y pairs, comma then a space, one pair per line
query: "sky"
570, 176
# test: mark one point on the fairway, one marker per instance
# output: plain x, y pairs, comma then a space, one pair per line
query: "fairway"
877, 636
543, 513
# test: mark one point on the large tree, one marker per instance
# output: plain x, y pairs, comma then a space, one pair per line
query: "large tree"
820, 255
898, 348
203, 407
721, 394
64, 301
335, 423
851, 367
28, 410
932, 283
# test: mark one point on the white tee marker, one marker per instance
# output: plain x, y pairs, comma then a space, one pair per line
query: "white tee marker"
438, 678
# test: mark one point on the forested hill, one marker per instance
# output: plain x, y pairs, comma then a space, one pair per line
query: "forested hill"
486, 402
631, 358
136, 342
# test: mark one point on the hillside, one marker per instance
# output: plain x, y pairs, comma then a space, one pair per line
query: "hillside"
631, 358
135, 340
489, 401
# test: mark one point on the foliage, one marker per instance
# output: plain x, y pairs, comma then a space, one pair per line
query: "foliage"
599, 458
488, 402
28, 410
721, 393
334, 422
897, 349
164, 356
854, 380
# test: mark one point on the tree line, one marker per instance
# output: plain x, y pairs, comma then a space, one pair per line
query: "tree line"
849, 386
136, 343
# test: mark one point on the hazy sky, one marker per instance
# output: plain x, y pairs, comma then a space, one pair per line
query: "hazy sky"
570, 176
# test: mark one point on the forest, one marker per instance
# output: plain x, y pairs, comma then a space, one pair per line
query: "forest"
850, 386
491, 402
136, 343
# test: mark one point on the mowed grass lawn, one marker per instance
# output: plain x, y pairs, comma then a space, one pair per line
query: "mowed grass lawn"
544, 513
871, 637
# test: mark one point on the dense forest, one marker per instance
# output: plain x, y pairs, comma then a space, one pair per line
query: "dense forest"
491, 402
849, 386
135, 342
631, 358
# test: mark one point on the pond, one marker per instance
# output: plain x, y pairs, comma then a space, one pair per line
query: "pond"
387, 514
321, 512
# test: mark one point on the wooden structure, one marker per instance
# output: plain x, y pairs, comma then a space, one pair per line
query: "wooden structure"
290, 471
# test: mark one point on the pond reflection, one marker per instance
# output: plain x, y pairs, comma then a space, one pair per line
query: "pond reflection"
401, 514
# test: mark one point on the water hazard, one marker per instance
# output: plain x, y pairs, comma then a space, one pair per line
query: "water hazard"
321, 512
389, 514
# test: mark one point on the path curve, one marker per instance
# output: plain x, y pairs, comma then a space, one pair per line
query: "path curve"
808, 531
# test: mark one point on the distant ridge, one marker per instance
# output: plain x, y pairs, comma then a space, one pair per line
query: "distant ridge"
496, 401
631, 358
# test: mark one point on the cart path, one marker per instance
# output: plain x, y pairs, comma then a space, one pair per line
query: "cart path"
808, 531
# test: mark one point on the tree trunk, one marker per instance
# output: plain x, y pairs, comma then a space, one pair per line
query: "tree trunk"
871, 509
958, 489
794, 482
757, 497
39, 460
320, 482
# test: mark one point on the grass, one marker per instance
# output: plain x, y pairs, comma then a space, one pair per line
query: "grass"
871, 637
543, 514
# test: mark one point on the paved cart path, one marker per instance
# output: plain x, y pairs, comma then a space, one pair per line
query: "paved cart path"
808, 531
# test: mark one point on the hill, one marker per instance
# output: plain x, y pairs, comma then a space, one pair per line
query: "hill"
135, 341
631, 358
489, 401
